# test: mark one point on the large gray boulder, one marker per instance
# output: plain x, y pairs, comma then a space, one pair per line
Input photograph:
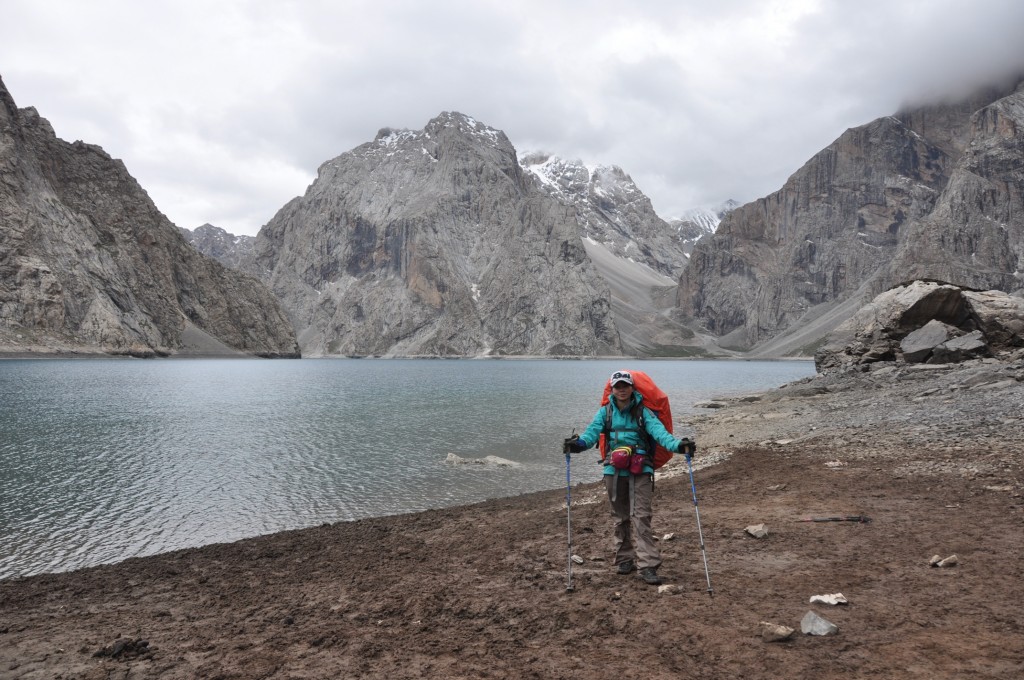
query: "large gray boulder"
919, 344
925, 321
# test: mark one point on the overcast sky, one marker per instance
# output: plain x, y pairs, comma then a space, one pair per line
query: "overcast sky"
223, 110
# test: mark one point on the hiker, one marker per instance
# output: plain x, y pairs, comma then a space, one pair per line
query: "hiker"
630, 488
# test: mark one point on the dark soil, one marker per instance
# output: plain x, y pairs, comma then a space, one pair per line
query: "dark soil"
481, 591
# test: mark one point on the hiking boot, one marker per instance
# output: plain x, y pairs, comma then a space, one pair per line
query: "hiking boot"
626, 568
650, 576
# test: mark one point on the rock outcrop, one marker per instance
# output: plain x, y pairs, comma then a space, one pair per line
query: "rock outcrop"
236, 252
925, 322
435, 242
612, 211
637, 253
89, 264
930, 193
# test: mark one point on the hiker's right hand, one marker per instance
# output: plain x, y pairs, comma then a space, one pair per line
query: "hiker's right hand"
687, 447
574, 445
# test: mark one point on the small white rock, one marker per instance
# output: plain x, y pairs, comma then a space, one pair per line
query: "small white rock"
577, 559
668, 537
757, 530
812, 624
773, 632
669, 590
950, 561
833, 598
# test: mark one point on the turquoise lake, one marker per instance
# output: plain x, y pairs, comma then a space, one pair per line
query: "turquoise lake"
105, 459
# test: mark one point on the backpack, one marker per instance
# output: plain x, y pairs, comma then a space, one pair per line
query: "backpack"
656, 401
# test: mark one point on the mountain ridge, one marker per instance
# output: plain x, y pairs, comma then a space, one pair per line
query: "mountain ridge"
90, 265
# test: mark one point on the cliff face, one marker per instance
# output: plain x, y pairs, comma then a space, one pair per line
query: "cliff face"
974, 236
612, 211
928, 193
236, 252
89, 264
434, 242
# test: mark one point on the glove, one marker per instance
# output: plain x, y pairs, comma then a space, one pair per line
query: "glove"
686, 446
573, 445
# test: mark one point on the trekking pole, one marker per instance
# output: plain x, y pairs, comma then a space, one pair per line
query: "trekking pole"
700, 533
568, 518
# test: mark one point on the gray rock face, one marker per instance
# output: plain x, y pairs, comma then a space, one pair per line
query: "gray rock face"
434, 242
236, 252
925, 321
611, 210
635, 252
918, 345
974, 236
89, 264
931, 193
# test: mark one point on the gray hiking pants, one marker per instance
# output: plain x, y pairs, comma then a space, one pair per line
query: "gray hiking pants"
630, 499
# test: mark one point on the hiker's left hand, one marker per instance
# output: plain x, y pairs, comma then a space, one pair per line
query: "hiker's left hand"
574, 445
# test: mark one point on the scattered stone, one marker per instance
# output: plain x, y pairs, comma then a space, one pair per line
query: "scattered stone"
950, 561
709, 404
1006, 487
669, 590
493, 461
833, 599
125, 648
773, 632
934, 561
757, 530
777, 487
835, 464
783, 442
812, 624
577, 559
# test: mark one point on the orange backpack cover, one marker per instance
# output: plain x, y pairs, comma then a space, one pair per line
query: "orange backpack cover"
654, 400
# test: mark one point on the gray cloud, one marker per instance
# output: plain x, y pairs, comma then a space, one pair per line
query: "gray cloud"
223, 111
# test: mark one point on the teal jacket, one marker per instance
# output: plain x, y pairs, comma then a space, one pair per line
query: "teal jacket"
625, 430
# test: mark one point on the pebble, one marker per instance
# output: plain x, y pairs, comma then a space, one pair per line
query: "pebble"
773, 632
812, 624
757, 530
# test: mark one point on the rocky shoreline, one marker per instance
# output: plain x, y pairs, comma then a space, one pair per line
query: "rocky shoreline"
931, 453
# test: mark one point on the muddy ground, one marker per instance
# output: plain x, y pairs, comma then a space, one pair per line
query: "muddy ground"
932, 457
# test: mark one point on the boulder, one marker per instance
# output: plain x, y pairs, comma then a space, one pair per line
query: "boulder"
917, 347
953, 351
925, 321
999, 316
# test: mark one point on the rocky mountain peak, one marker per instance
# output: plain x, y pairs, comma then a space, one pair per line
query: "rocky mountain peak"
90, 265
611, 210
933, 192
237, 252
433, 242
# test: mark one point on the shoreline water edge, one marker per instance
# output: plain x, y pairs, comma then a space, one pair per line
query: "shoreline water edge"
931, 454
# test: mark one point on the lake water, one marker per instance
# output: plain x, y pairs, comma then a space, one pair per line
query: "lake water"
105, 459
